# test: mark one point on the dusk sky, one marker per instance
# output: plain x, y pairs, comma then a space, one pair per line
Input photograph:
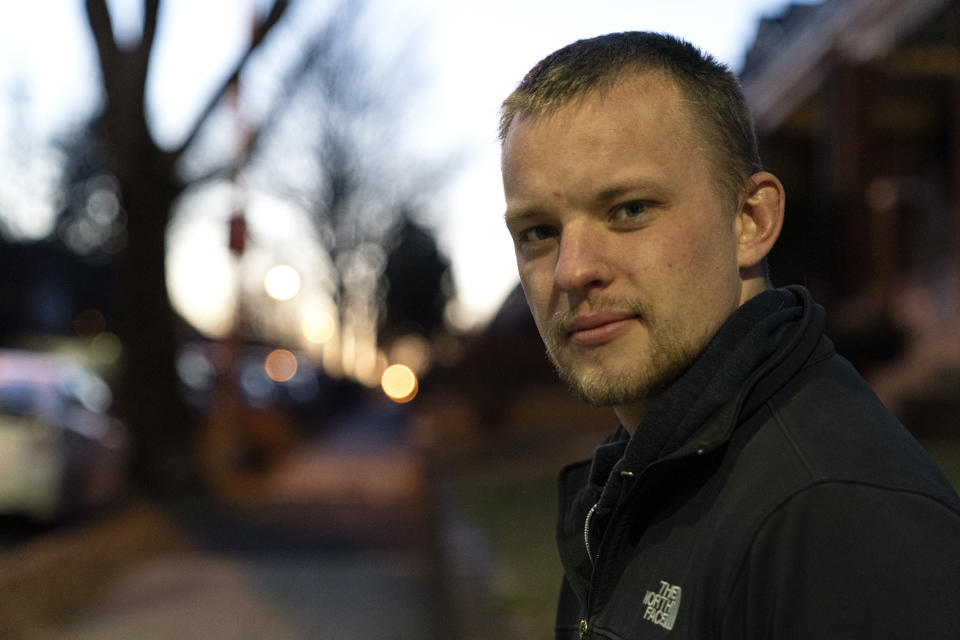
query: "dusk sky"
472, 53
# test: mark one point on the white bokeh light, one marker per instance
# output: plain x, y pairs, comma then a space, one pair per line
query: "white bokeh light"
282, 282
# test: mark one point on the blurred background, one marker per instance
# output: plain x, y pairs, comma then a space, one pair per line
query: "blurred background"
265, 368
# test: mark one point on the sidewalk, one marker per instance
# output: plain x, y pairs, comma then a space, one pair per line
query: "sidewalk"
292, 596
331, 545
46, 580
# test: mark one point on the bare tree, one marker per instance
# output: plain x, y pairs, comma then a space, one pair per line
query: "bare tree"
149, 181
365, 185
355, 197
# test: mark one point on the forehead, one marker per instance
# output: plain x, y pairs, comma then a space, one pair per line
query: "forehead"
641, 122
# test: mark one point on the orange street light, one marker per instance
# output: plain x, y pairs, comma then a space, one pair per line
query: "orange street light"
280, 365
399, 382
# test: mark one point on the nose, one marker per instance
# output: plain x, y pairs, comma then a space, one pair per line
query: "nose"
582, 263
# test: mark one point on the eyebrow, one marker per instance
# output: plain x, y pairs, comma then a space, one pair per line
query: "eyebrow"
612, 193
641, 184
602, 196
521, 214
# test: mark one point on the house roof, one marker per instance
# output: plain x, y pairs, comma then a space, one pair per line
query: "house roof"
792, 52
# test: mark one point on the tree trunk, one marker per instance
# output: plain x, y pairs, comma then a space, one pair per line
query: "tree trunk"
150, 400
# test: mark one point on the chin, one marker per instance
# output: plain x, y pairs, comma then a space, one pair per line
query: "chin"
639, 381
603, 389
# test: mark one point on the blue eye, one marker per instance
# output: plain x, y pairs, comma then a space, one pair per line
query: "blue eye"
537, 233
630, 210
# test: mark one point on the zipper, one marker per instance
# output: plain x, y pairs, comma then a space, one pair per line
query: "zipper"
584, 628
586, 522
586, 541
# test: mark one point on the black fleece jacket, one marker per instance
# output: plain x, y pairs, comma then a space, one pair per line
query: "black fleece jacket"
795, 505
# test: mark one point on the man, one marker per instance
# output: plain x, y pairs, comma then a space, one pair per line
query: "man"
756, 487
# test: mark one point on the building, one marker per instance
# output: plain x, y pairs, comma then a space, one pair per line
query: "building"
857, 108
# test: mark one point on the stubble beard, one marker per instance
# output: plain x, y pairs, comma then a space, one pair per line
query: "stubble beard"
664, 359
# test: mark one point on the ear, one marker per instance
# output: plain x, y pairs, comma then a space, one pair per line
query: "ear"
759, 220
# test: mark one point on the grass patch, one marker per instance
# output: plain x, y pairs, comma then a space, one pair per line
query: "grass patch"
517, 513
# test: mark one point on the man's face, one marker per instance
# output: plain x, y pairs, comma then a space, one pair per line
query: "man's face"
626, 252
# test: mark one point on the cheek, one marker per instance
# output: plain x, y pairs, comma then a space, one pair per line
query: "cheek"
535, 289
691, 267
713, 247
714, 268
675, 255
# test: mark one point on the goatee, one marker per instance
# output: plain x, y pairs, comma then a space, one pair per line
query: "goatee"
655, 366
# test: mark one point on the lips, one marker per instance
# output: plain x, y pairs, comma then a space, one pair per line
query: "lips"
599, 328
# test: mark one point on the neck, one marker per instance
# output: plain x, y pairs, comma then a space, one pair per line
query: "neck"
753, 283
630, 415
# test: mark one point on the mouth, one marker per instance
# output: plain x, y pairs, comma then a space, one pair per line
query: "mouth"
599, 328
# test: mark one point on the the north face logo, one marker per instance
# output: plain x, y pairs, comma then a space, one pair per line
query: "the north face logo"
662, 605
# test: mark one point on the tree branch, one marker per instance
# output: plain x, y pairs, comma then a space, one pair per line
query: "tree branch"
140, 56
320, 48
150, 10
101, 27
259, 34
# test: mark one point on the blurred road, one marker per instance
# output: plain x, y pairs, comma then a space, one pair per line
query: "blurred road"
338, 542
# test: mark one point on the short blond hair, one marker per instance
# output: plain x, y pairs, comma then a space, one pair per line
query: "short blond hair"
717, 106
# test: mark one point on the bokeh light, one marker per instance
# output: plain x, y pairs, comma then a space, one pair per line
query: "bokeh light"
399, 383
412, 350
89, 323
318, 326
280, 365
282, 282
106, 348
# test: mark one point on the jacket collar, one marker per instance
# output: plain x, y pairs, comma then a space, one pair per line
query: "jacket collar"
794, 346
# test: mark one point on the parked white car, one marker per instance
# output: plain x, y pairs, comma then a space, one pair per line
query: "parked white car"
61, 452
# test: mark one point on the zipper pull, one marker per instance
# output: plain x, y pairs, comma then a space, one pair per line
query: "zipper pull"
583, 629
